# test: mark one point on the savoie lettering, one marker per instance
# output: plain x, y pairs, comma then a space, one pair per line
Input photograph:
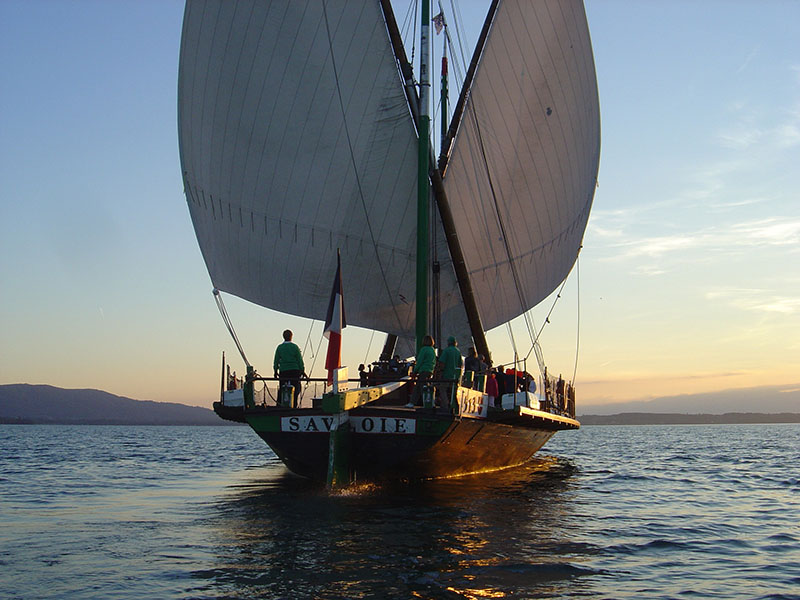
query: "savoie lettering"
382, 425
315, 424
324, 424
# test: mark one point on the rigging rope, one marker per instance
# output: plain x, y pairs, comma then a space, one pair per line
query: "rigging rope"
410, 21
460, 35
547, 318
314, 362
369, 347
226, 319
512, 265
578, 332
308, 339
511, 337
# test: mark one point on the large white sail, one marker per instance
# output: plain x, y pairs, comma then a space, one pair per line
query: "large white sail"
522, 171
296, 139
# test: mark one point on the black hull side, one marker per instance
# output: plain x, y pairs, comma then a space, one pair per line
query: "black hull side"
441, 446
230, 413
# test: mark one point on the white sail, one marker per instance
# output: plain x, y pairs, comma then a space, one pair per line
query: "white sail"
522, 171
296, 139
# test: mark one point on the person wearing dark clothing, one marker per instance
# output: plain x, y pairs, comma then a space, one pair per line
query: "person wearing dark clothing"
570, 400
560, 393
501, 381
231, 379
484, 366
472, 366
510, 380
472, 362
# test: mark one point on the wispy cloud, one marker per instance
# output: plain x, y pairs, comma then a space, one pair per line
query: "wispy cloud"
772, 231
762, 232
741, 136
649, 271
787, 134
658, 246
724, 204
733, 212
655, 376
757, 300
607, 232
748, 59
749, 129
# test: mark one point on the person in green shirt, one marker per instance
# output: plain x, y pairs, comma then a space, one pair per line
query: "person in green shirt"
423, 368
288, 364
450, 362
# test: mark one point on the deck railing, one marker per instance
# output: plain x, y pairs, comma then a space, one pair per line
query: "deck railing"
555, 395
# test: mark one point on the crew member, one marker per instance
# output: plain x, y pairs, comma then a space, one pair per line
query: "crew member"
423, 368
288, 364
450, 362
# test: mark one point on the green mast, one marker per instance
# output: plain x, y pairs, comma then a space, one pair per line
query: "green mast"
423, 186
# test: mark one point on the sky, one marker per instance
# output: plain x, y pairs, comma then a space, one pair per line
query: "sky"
689, 280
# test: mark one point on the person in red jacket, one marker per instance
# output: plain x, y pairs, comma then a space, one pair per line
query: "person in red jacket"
492, 389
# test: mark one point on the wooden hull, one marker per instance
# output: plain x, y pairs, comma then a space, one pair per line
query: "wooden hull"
378, 443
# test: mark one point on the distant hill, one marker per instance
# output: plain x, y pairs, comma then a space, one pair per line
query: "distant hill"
685, 419
24, 403
771, 399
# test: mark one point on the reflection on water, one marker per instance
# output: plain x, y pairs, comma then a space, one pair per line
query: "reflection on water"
198, 513
476, 537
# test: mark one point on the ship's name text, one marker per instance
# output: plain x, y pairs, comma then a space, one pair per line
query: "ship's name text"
323, 424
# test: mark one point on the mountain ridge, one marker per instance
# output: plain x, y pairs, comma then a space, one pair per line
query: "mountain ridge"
25, 403
767, 399
733, 418
47, 404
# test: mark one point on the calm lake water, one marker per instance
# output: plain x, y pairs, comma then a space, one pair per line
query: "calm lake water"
208, 512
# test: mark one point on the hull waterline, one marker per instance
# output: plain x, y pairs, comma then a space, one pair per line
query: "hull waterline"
380, 443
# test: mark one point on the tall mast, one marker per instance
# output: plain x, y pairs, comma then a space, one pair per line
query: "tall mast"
444, 91
423, 181
459, 265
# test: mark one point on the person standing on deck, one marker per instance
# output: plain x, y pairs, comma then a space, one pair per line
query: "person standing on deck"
492, 389
472, 364
423, 368
288, 363
450, 362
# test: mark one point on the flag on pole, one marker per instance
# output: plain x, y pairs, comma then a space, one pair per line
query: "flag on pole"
334, 323
438, 23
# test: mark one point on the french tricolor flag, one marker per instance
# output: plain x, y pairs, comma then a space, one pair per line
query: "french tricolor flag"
334, 323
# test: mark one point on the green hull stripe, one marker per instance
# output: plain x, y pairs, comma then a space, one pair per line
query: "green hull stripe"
267, 423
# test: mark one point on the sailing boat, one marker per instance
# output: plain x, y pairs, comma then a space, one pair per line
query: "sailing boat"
302, 131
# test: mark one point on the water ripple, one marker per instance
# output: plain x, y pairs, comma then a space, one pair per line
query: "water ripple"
604, 512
